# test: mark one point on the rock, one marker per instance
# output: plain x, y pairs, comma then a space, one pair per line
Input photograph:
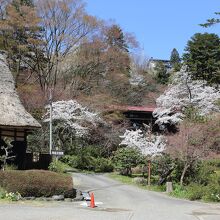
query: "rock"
58, 197
169, 187
139, 180
78, 198
70, 193
78, 193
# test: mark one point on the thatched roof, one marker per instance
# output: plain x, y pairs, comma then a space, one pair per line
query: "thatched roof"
12, 112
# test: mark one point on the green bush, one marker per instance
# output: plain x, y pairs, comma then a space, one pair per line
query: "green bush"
13, 196
212, 190
86, 162
204, 173
212, 193
11, 167
179, 191
36, 183
71, 161
214, 162
58, 166
126, 158
103, 165
2, 193
195, 191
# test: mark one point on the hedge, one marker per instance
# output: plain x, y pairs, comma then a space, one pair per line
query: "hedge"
37, 183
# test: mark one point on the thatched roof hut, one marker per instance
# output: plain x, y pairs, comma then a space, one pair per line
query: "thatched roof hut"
15, 121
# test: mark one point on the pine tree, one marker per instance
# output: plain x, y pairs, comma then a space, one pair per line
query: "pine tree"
162, 75
203, 57
115, 38
175, 57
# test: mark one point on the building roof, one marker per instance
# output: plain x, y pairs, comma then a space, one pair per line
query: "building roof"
132, 108
12, 112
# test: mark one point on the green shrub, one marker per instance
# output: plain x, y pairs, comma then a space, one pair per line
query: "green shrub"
71, 161
195, 191
2, 193
214, 162
212, 190
179, 191
85, 162
103, 165
36, 183
13, 196
99, 164
212, 193
11, 167
9, 196
58, 166
126, 158
82, 162
203, 175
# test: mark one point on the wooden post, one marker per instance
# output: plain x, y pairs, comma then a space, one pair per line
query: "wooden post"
15, 134
149, 172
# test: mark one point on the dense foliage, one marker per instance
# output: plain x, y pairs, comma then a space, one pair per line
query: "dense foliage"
88, 162
127, 158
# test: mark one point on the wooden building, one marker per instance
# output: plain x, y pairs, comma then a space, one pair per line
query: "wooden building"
15, 121
137, 115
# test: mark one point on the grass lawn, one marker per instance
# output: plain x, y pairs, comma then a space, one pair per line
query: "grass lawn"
128, 180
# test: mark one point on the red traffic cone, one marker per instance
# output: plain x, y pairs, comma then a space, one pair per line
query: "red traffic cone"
92, 202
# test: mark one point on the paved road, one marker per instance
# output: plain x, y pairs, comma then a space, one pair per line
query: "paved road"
115, 201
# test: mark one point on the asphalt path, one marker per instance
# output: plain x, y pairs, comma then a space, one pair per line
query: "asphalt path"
130, 202
115, 201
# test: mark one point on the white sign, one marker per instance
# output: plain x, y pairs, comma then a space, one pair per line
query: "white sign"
57, 152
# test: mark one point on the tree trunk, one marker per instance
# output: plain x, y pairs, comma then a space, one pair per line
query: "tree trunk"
183, 173
164, 176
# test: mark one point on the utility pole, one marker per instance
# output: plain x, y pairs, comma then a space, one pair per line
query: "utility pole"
51, 131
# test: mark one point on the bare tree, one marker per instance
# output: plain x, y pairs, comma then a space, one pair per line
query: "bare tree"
64, 24
189, 145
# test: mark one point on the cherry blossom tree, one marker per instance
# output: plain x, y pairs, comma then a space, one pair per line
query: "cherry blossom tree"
182, 93
149, 144
74, 117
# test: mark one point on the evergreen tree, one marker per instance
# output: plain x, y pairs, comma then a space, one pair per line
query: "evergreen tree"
175, 57
212, 21
203, 57
162, 75
115, 38
118, 54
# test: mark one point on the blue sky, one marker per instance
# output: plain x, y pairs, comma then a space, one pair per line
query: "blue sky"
159, 25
